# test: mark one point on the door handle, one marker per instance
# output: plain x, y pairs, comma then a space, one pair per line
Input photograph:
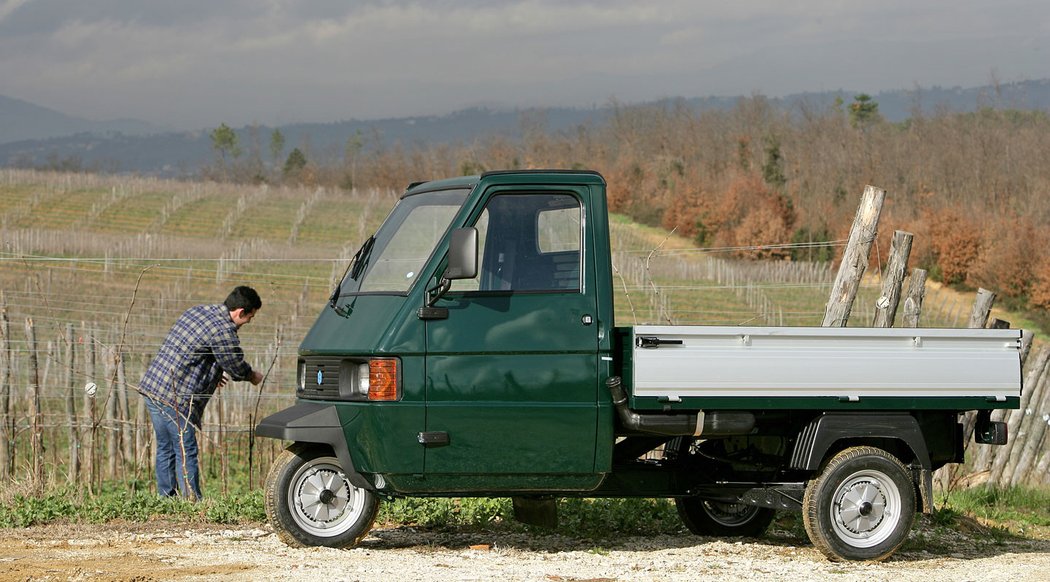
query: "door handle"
433, 439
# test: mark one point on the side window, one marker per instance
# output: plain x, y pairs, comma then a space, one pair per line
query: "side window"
528, 242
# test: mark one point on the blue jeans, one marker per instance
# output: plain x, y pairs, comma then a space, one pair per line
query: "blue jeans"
176, 450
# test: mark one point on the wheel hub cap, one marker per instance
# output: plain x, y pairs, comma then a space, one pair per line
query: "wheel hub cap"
862, 507
323, 496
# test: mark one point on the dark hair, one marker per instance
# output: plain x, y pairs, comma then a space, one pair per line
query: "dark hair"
243, 297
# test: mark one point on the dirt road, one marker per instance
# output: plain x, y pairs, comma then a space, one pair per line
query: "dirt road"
167, 551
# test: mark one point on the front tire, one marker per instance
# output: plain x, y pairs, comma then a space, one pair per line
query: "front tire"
715, 518
310, 502
861, 506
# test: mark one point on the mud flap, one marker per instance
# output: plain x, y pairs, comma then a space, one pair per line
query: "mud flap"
924, 479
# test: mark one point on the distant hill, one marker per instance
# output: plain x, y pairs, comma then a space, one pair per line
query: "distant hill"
32, 136
21, 120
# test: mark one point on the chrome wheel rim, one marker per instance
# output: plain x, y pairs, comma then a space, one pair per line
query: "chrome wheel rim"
866, 509
729, 514
321, 499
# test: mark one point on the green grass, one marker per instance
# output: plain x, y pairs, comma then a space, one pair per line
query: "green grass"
1020, 505
133, 501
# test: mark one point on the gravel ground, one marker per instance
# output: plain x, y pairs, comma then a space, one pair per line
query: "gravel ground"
168, 551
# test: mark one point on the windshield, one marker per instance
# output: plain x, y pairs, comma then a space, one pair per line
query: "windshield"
391, 262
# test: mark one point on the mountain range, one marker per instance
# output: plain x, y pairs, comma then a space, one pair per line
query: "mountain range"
34, 136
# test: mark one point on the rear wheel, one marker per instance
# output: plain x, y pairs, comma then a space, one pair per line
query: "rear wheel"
861, 506
706, 517
310, 502
715, 518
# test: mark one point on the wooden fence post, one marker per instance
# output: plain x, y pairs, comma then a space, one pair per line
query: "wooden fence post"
985, 453
71, 407
1015, 418
143, 435
1026, 345
90, 389
982, 308
854, 258
1041, 474
1036, 429
109, 363
886, 306
1025, 436
36, 414
914, 297
7, 418
124, 422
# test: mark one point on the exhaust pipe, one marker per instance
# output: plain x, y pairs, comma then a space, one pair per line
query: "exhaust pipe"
711, 424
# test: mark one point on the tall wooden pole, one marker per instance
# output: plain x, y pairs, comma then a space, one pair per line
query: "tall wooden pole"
7, 418
979, 315
124, 421
854, 258
985, 454
36, 416
90, 389
109, 361
1015, 420
886, 306
982, 309
913, 298
1029, 456
71, 406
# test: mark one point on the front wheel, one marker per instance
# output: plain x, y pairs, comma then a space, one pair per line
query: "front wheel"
861, 506
310, 502
715, 518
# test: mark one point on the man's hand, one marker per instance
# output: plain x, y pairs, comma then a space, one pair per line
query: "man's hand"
256, 377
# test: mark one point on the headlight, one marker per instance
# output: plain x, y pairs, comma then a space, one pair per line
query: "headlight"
301, 376
362, 379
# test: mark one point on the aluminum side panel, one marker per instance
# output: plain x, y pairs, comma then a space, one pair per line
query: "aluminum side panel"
821, 362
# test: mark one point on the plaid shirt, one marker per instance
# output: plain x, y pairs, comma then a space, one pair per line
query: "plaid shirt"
202, 343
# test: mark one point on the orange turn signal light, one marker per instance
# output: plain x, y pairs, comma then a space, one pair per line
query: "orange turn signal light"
382, 379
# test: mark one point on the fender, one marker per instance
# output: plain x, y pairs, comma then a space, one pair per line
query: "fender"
817, 437
308, 422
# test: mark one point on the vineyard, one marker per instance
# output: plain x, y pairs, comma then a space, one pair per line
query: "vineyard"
94, 270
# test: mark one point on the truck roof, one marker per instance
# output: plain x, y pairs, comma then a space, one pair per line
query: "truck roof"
546, 176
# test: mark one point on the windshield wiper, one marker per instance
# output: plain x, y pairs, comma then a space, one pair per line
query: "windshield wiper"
361, 258
357, 264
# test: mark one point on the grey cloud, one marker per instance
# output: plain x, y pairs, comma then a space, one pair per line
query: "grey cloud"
194, 62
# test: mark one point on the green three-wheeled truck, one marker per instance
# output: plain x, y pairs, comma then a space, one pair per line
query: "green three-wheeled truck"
471, 350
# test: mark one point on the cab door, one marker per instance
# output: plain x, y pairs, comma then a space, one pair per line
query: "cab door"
512, 372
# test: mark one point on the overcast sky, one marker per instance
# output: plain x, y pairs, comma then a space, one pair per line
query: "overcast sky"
194, 63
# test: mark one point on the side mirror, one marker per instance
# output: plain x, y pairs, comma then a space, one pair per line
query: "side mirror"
462, 264
462, 254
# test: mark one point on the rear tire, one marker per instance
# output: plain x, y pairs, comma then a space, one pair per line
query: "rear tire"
861, 506
310, 502
704, 517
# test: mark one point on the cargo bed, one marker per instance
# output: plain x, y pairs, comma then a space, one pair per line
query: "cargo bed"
674, 364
